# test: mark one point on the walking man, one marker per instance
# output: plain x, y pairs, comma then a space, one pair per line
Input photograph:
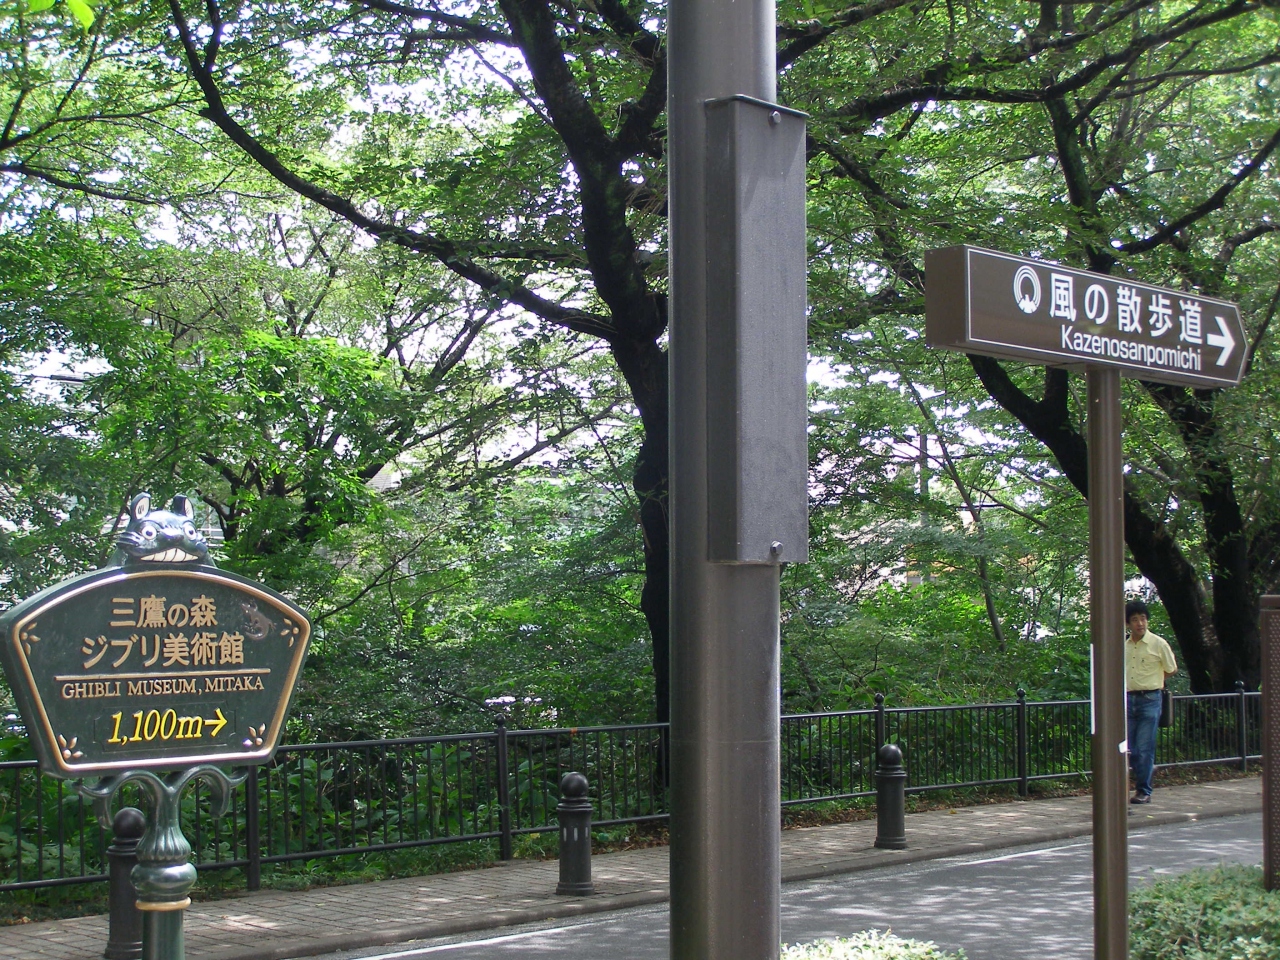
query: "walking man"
1148, 663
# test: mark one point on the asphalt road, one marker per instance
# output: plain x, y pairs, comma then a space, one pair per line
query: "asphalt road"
1021, 904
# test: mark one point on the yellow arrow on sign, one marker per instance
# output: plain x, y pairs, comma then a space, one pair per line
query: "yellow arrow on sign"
217, 724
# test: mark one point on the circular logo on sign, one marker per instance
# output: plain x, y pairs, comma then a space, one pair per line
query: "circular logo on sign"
1026, 290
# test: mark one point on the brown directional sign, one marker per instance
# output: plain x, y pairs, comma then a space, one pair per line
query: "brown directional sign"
163, 667
984, 302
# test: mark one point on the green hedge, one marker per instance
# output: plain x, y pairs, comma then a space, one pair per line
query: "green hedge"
1207, 914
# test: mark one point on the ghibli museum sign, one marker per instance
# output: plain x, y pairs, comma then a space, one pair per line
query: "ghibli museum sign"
158, 660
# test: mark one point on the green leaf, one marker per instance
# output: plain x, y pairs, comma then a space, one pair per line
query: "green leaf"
35, 6
82, 12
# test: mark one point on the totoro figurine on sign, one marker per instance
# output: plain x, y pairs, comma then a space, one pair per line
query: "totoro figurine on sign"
160, 536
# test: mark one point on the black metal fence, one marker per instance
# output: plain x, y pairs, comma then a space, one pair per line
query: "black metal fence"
327, 799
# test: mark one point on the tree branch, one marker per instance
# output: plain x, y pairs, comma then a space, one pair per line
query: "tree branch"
805, 36
604, 192
1216, 201
447, 252
470, 29
58, 179
933, 83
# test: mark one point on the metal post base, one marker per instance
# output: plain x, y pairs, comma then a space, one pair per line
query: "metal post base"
164, 875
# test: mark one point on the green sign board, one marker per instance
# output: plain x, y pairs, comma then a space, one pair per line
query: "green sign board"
155, 663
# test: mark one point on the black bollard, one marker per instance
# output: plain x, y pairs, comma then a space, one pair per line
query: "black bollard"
891, 799
574, 814
124, 925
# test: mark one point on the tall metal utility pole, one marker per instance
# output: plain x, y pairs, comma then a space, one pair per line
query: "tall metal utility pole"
739, 460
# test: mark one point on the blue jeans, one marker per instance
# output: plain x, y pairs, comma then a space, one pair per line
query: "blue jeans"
1144, 717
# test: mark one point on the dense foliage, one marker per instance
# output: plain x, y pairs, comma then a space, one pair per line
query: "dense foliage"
1204, 914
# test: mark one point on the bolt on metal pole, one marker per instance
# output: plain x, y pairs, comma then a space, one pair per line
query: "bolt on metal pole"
1106, 615
725, 794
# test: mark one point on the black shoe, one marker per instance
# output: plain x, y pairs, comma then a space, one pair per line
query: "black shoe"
1141, 798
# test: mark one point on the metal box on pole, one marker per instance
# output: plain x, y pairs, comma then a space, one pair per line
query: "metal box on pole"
757, 454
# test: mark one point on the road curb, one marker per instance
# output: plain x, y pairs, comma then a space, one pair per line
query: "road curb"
280, 949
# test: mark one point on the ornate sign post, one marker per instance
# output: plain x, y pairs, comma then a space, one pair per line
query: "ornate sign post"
995, 304
157, 669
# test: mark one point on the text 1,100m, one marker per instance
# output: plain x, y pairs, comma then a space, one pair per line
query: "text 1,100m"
151, 725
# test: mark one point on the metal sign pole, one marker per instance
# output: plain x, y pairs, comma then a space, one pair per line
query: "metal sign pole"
1270, 689
1106, 614
1000, 305
164, 875
152, 670
725, 806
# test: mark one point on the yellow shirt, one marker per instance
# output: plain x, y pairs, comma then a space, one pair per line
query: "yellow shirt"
1146, 662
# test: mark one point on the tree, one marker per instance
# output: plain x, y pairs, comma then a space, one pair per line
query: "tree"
282, 369
268, 357
83, 110
55, 487
1123, 137
1083, 109
519, 599
518, 145
947, 560
577, 254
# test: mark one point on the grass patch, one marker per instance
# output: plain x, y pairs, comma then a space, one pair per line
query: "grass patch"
871, 945
864, 808
352, 868
1207, 914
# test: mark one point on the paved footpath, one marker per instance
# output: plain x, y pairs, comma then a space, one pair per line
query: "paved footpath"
271, 925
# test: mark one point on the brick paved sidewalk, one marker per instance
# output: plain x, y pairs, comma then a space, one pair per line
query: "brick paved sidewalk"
271, 925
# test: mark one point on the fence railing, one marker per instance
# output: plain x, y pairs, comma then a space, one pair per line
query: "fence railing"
328, 799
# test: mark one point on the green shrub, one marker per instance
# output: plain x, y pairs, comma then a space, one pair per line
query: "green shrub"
1208, 914
871, 945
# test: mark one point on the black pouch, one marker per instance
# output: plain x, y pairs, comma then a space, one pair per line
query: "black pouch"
1166, 708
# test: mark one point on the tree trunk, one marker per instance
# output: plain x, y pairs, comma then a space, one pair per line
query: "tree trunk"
644, 366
